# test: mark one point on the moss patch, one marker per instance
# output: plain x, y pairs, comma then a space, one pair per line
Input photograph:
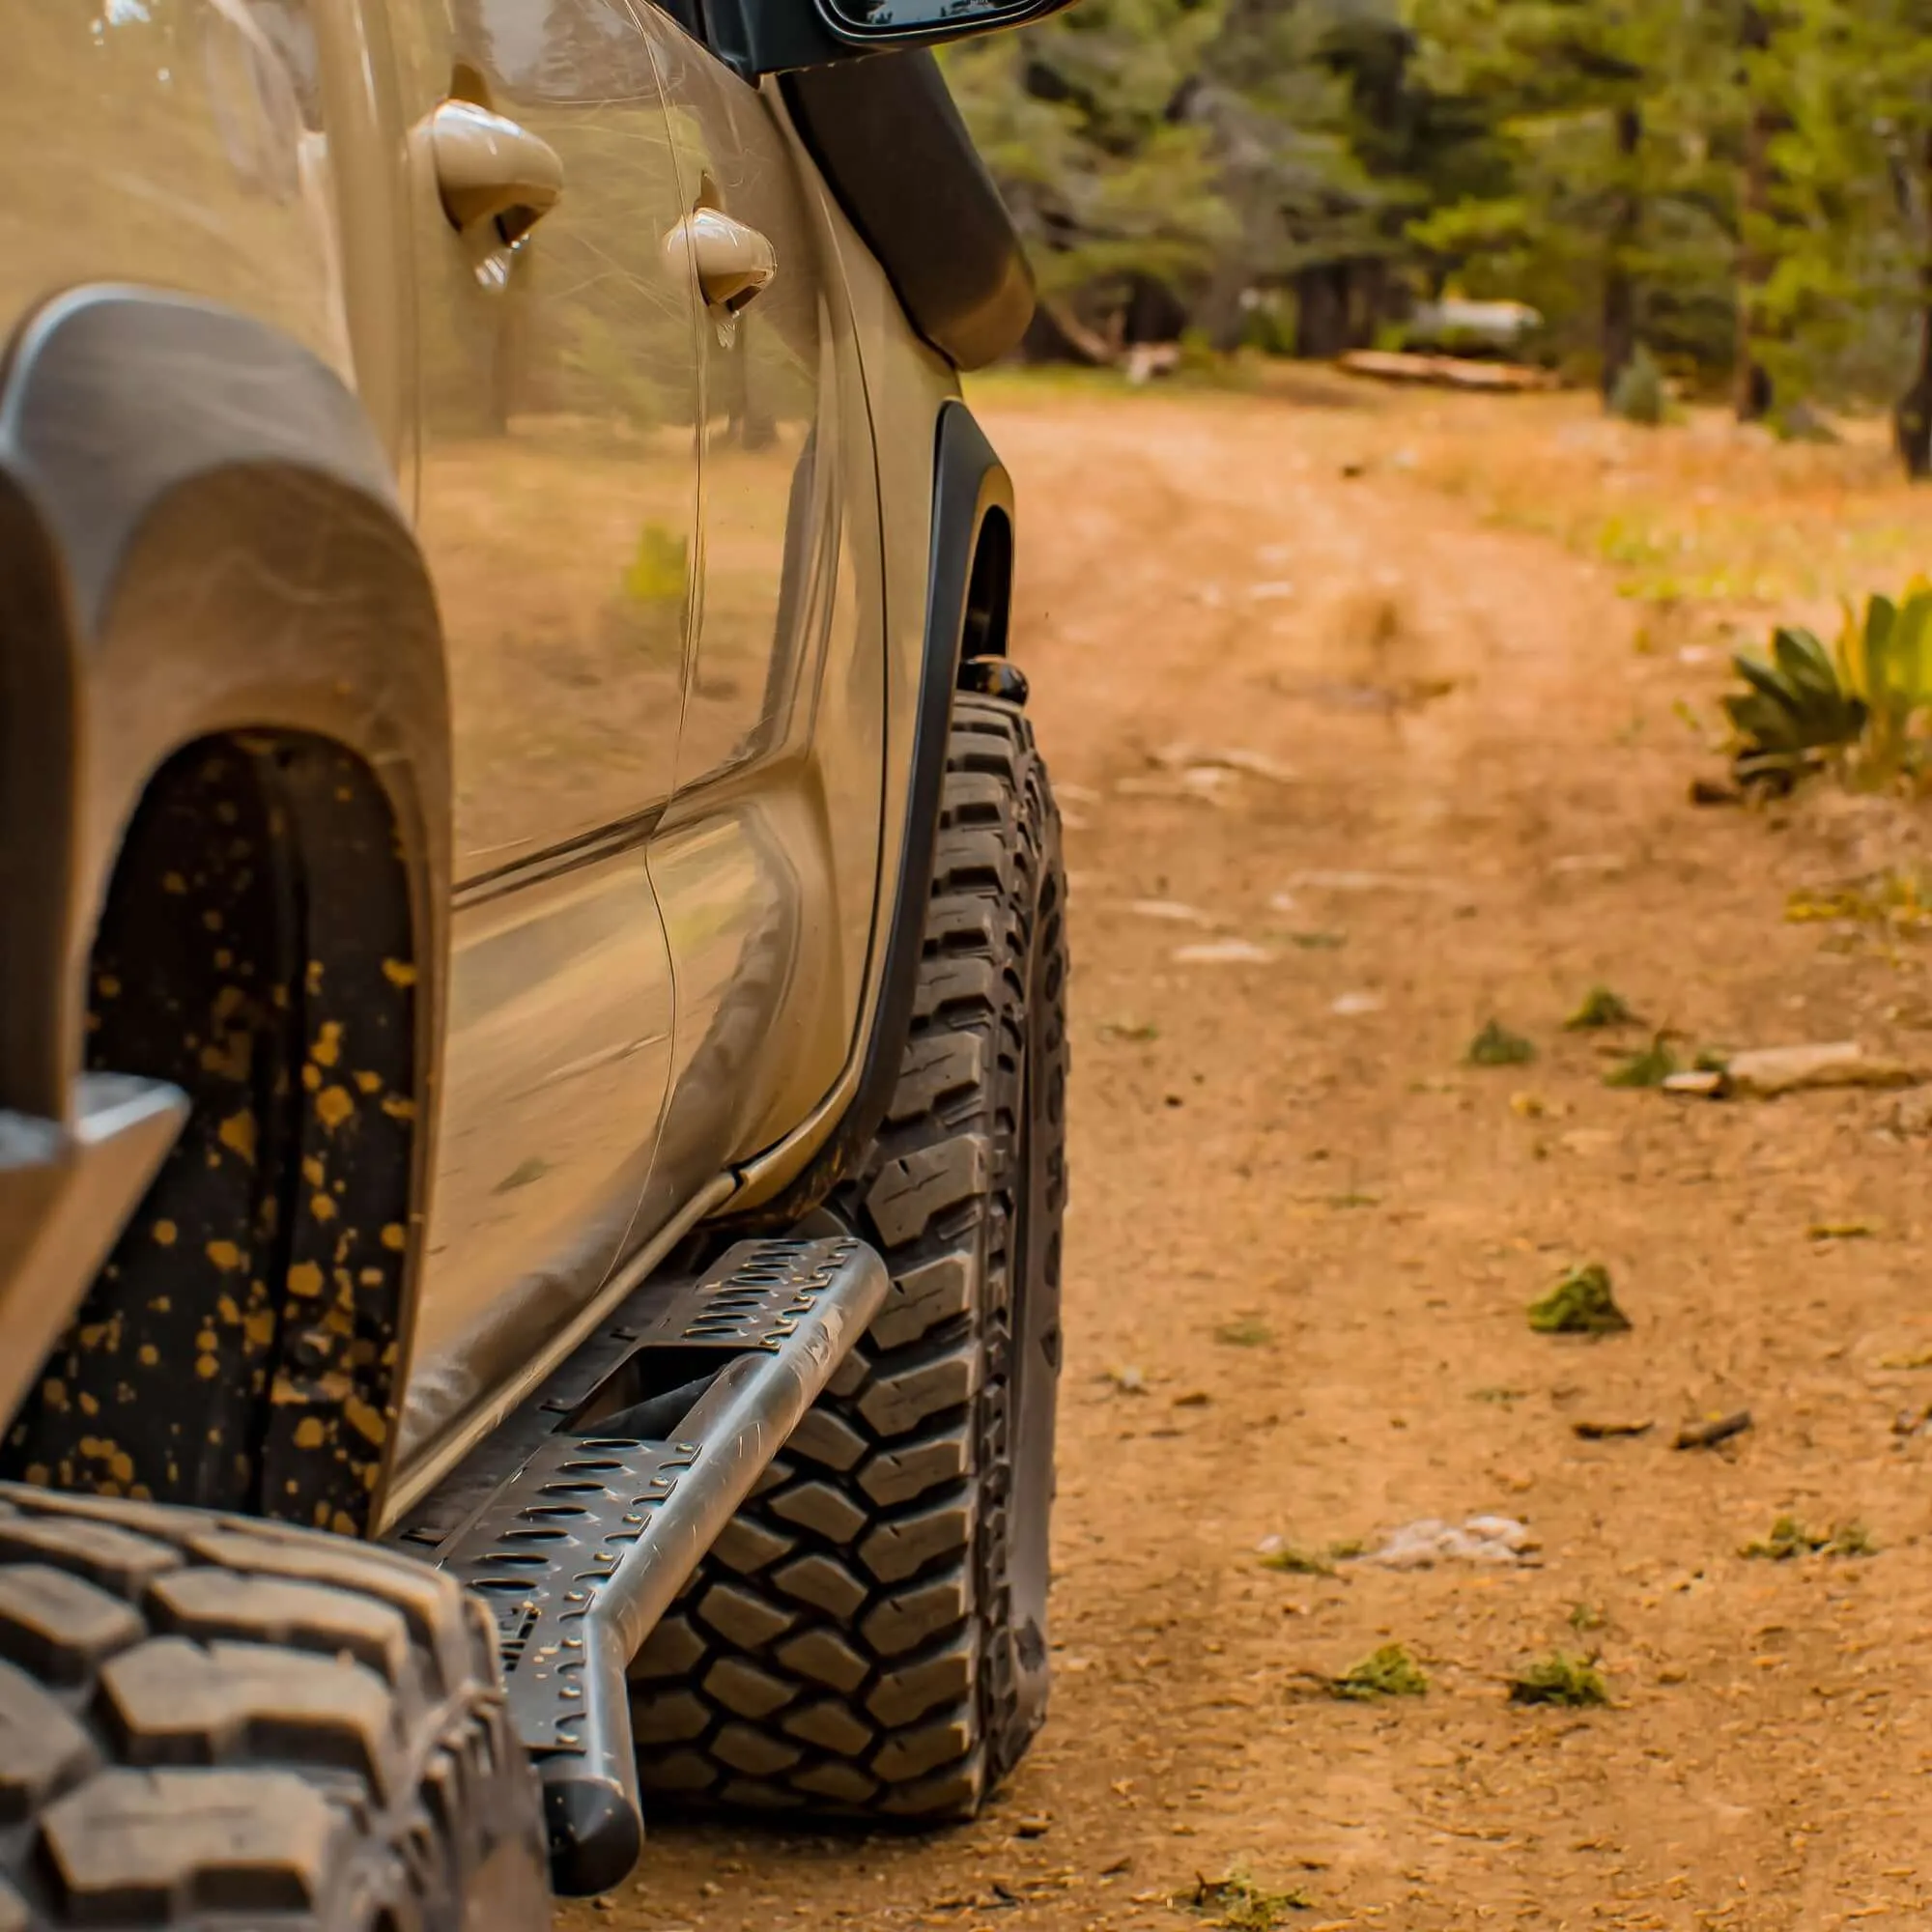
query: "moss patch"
1788, 1539
1389, 1672
1240, 1903
1296, 1562
1581, 1303
1245, 1332
1651, 1068
1496, 1046
1599, 1008
1574, 1682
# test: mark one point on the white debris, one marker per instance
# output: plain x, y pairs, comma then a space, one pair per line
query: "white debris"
1272, 593
1362, 882
1352, 1005
1482, 1538
1243, 758
1206, 780
1223, 952
1173, 911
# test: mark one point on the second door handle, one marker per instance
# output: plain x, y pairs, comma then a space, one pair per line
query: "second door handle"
733, 264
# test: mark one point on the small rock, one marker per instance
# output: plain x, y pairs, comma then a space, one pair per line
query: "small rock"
1702, 1084
1352, 1005
1129, 1381
1769, 1071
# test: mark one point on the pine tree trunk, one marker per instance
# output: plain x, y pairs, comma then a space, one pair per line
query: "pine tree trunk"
1619, 327
1912, 425
1750, 380
1322, 311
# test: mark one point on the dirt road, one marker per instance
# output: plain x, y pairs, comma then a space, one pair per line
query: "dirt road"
1408, 773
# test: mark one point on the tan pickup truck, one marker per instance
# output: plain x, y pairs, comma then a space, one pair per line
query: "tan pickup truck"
531, 951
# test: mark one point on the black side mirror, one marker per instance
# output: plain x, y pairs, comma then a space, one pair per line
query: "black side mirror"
922, 22
759, 36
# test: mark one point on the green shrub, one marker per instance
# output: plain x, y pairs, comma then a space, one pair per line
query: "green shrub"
1639, 394
1860, 706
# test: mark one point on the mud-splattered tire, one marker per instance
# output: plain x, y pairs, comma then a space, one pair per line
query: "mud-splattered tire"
869, 1636
214, 1723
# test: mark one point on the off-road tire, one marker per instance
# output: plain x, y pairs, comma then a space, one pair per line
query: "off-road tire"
869, 1634
214, 1723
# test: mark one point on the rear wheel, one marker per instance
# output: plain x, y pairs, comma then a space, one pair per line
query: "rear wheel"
216, 1722
869, 1634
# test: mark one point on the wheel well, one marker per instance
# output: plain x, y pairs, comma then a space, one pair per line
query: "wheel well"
989, 589
239, 1348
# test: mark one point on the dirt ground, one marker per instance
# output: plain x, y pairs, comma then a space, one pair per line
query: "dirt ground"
1312, 684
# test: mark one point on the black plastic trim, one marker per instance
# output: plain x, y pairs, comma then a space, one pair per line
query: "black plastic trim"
970, 484
890, 146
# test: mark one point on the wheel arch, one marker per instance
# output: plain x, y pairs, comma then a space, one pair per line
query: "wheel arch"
201, 546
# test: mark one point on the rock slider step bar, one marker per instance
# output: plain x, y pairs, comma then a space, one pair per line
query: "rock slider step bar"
578, 1532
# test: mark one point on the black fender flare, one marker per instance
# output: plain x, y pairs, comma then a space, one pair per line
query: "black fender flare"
200, 533
971, 487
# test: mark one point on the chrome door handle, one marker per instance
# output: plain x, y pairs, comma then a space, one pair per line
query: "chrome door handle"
734, 264
490, 169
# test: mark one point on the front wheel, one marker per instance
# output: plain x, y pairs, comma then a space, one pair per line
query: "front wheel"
869, 1636
211, 1722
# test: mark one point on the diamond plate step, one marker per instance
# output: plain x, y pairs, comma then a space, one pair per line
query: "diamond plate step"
581, 1518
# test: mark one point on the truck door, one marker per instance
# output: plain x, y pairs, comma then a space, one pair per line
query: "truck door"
560, 393
766, 859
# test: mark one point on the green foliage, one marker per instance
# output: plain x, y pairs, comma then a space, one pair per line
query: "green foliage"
1245, 1331
1295, 1562
1788, 1539
1572, 1682
1666, 185
1601, 1008
1581, 1303
1862, 705
1496, 1046
1241, 1904
1651, 1068
1638, 394
1389, 1672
